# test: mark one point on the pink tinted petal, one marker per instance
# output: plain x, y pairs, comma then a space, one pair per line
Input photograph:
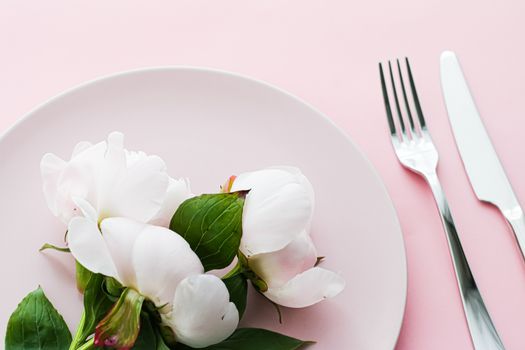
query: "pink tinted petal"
79, 179
277, 268
271, 223
85, 208
307, 288
278, 208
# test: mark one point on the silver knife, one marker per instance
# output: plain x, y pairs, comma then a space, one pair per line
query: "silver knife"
485, 172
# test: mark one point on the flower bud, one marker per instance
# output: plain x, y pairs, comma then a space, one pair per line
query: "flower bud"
120, 328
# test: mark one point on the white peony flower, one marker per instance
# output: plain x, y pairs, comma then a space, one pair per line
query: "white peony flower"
105, 180
276, 222
160, 265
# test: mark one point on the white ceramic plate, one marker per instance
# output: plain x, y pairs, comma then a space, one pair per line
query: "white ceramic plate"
208, 125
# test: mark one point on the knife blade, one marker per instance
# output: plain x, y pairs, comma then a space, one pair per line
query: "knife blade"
481, 162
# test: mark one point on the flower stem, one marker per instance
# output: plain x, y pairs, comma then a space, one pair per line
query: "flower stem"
80, 329
88, 345
54, 247
235, 271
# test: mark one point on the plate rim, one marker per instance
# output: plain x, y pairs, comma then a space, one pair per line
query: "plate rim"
148, 69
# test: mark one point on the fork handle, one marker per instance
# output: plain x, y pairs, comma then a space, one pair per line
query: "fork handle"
482, 331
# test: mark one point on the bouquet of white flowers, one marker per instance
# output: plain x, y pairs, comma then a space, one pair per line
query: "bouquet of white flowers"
145, 247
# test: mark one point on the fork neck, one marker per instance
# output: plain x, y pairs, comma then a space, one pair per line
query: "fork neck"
482, 330
439, 195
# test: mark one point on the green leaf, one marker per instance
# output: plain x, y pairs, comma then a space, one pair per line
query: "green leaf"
238, 287
160, 343
166, 337
83, 276
36, 325
256, 339
260, 339
96, 305
112, 288
149, 337
212, 225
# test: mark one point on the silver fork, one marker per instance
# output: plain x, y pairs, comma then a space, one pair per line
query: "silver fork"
415, 150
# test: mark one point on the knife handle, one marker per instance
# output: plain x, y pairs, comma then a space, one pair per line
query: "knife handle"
482, 331
516, 220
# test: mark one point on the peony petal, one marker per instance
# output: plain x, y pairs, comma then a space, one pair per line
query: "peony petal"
303, 180
80, 147
278, 208
178, 191
162, 259
120, 235
105, 180
112, 168
307, 288
132, 157
88, 247
85, 207
277, 268
140, 191
202, 312
51, 168
266, 180
79, 179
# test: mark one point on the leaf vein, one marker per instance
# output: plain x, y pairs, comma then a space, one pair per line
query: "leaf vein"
210, 225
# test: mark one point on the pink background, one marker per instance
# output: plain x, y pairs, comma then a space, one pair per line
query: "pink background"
326, 52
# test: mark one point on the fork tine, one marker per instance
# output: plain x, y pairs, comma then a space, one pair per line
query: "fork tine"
407, 105
422, 122
391, 124
400, 116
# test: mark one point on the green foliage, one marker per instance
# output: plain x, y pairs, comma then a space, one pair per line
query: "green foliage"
256, 339
149, 337
238, 287
212, 225
96, 306
36, 325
